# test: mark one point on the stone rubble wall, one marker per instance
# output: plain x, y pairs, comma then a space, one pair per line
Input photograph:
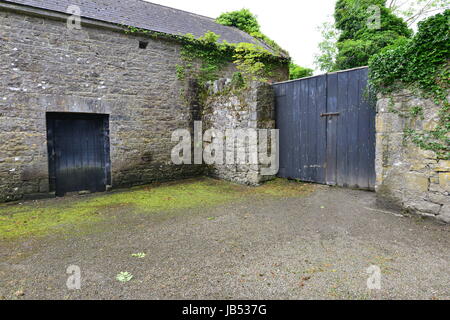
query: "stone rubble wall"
409, 177
250, 108
47, 68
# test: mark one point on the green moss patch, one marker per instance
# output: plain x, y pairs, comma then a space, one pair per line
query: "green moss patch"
41, 218
165, 197
285, 188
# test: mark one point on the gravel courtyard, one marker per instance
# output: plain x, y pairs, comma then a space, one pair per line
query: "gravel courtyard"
207, 239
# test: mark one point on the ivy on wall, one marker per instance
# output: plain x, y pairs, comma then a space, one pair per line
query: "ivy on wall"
203, 58
420, 64
253, 62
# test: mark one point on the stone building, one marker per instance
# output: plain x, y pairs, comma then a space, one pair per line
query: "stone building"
94, 108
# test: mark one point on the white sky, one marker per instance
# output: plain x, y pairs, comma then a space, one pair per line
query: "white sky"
292, 24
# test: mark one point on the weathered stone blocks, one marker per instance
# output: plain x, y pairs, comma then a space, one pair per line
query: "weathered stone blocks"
409, 177
227, 108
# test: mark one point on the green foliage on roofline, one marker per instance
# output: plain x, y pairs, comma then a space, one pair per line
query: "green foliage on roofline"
252, 61
298, 72
203, 58
420, 64
242, 19
246, 21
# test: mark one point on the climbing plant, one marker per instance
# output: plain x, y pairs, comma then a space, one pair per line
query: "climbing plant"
420, 64
254, 62
203, 58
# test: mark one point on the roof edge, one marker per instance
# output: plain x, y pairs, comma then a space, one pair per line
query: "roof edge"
60, 16
55, 15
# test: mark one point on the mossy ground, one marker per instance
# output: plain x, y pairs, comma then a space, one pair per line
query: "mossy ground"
40, 218
284, 188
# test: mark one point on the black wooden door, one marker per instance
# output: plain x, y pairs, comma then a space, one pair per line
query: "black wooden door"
78, 152
327, 129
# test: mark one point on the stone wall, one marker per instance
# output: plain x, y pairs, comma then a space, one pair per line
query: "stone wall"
250, 108
48, 68
408, 177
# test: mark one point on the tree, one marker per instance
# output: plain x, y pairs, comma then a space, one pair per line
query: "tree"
326, 60
415, 10
297, 72
366, 27
246, 21
349, 43
242, 19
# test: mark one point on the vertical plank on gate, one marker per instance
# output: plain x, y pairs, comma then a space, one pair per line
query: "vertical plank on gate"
291, 122
342, 130
366, 141
296, 136
303, 126
321, 146
352, 123
363, 133
312, 129
370, 105
332, 99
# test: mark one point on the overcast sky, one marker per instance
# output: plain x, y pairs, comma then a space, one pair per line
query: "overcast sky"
292, 24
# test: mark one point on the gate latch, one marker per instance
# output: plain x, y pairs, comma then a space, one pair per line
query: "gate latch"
331, 114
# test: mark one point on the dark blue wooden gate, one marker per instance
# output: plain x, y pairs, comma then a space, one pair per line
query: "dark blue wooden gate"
327, 129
